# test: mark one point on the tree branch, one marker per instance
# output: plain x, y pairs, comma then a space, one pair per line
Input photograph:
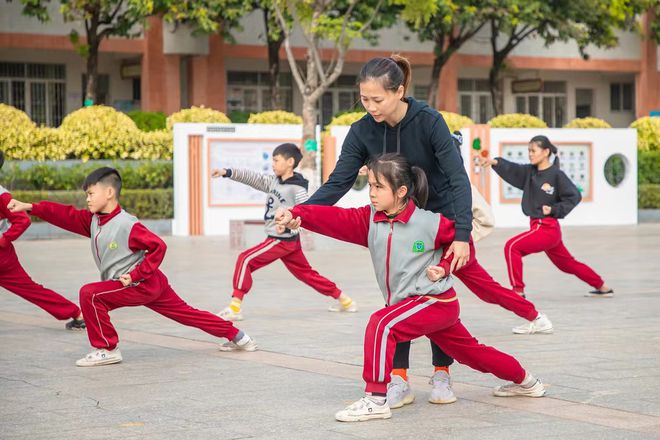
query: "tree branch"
289, 53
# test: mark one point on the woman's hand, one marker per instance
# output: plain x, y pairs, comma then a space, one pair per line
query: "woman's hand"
461, 252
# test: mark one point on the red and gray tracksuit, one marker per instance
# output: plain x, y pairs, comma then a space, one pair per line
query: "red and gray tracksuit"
549, 187
401, 249
122, 245
278, 246
12, 275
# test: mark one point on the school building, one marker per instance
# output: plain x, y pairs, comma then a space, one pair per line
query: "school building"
167, 69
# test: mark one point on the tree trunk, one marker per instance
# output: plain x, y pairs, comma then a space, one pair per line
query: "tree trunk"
438, 63
273, 63
310, 112
92, 59
495, 83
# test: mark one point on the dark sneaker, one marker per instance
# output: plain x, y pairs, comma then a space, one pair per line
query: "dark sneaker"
75, 324
599, 294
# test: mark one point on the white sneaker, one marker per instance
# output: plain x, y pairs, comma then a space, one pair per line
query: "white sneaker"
399, 393
250, 345
540, 325
513, 389
337, 307
100, 357
362, 410
229, 315
441, 391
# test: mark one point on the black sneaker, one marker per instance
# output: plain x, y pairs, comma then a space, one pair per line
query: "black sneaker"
599, 294
75, 324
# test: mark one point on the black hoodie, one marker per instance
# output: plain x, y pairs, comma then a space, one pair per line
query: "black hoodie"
550, 187
423, 138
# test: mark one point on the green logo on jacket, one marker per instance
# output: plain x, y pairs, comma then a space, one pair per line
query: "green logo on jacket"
418, 246
113, 245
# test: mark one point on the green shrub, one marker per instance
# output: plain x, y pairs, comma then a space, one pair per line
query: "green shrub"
517, 120
587, 123
197, 114
455, 121
16, 131
239, 117
142, 203
274, 117
648, 166
148, 121
648, 133
55, 177
649, 196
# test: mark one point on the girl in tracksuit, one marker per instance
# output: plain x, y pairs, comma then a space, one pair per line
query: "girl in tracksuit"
406, 245
14, 278
548, 195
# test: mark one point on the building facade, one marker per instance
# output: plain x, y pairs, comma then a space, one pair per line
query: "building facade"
167, 69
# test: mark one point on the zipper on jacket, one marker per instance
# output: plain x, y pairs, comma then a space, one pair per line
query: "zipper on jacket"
387, 267
96, 243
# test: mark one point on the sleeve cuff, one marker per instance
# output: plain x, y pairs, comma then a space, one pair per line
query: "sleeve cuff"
136, 275
227, 172
462, 235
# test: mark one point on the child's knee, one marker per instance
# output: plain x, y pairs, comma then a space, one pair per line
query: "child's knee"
86, 292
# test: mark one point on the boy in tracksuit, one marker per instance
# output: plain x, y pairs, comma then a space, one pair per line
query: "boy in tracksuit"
14, 278
128, 256
285, 189
405, 242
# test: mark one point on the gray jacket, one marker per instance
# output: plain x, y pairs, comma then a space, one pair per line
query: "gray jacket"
281, 193
110, 249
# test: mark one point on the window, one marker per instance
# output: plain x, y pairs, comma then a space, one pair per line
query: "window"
342, 96
421, 93
474, 99
250, 92
621, 97
549, 104
37, 89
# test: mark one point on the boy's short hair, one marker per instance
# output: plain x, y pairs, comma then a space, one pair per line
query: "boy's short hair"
288, 151
2, 159
106, 176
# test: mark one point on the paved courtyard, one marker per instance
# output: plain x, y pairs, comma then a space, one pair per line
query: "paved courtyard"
602, 364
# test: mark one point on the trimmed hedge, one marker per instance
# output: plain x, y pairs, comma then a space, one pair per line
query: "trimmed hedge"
197, 114
648, 166
143, 203
588, 123
55, 177
274, 117
517, 120
148, 121
649, 196
648, 133
456, 122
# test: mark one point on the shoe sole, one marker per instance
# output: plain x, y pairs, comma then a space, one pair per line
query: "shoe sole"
599, 295
100, 364
443, 401
364, 418
538, 332
405, 401
506, 394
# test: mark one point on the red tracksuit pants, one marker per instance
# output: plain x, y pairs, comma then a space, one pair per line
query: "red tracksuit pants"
475, 278
98, 299
544, 235
291, 254
438, 320
14, 278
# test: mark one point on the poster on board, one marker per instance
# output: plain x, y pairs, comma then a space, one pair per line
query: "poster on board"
252, 154
574, 160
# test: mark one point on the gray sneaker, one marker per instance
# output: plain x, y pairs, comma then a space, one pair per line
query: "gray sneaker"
513, 389
441, 391
399, 393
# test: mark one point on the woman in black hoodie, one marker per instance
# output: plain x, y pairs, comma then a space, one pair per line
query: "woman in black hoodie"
396, 124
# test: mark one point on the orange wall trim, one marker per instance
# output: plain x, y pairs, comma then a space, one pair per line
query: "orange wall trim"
62, 42
195, 222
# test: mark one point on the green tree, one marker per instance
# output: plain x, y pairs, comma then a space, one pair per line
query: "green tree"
339, 23
101, 19
453, 23
587, 22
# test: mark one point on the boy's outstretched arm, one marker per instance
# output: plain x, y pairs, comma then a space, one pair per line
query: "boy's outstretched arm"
260, 182
66, 217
